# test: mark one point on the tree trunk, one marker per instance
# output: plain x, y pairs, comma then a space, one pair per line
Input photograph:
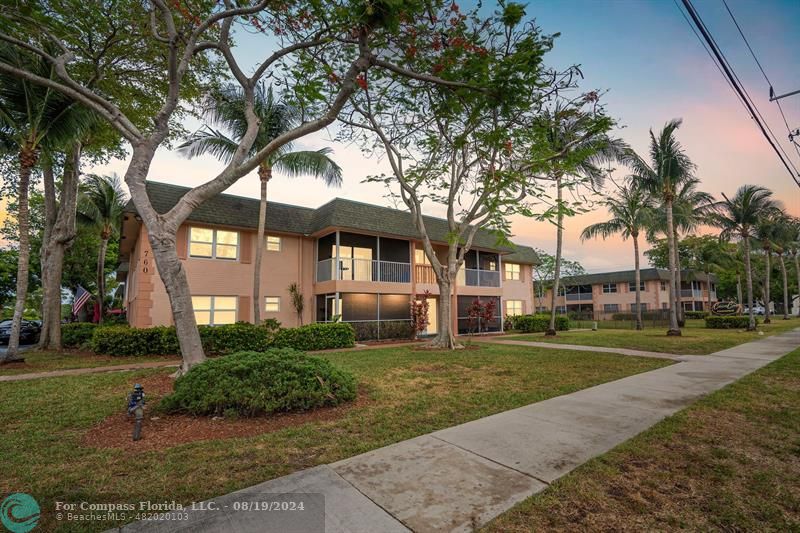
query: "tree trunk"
767, 276
445, 339
708, 291
638, 282
749, 277
785, 287
674, 329
739, 288
551, 329
797, 272
27, 160
173, 275
264, 173
678, 281
58, 237
101, 276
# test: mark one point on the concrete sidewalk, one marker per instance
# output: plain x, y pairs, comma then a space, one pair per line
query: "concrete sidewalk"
459, 478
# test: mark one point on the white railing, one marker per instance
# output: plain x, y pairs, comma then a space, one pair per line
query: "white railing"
351, 269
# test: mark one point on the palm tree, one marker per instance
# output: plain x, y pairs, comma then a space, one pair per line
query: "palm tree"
737, 217
225, 110
34, 120
668, 169
691, 208
765, 233
570, 131
101, 203
630, 212
783, 238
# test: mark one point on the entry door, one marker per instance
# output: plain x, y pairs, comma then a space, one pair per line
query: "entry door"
433, 324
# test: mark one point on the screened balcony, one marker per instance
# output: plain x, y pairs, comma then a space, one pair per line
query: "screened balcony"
481, 269
354, 257
579, 293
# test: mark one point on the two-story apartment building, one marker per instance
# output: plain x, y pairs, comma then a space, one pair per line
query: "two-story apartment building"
351, 261
615, 292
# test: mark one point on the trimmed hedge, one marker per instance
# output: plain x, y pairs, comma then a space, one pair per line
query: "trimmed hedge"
316, 337
654, 314
696, 314
537, 323
728, 322
253, 383
221, 340
125, 341
77, 334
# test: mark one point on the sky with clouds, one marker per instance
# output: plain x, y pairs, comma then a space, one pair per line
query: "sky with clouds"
644, 54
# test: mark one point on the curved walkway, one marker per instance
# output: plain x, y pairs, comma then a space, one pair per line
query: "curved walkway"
459, 478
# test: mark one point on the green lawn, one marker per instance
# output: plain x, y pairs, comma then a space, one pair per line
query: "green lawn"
47, 361
696, 339
408, 393
730, 462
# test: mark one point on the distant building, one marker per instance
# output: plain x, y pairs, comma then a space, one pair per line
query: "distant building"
615, 292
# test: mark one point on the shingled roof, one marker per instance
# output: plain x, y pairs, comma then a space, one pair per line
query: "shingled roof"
629, 276
242, 212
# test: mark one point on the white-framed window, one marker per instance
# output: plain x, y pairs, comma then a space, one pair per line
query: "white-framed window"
513, 307
513, 271
609, 288
632, 286
273, 243
214, 243
610, 308
214, 310
663, 285
272, 304
420, 257
643, 307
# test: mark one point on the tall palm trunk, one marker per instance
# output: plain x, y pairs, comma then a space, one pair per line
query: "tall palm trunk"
785, 287
264, 174
674, 329
739, 288
797, 272
551, 330
27, 160
638, 278
749, 277
678, 281
708, 290
101, 274
767, 260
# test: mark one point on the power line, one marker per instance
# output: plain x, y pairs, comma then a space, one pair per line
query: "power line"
756, 116
769, 83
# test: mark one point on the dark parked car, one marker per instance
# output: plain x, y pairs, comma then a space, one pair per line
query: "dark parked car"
28, 332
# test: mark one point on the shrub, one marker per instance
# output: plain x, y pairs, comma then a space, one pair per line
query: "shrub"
396, 329
323, 336
253, 383
239, 337
538, 323
77, 334
728, 322
696, 314
122, 340
655, 314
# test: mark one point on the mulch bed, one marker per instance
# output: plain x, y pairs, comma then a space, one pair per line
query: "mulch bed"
161, 431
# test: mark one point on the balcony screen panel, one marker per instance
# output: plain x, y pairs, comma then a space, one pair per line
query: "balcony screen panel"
489, 261
471, 259
359, 306
394, 250
321, 316
395, 307
325, 247
463, 305
355, 240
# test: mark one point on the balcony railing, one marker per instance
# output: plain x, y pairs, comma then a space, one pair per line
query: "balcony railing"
481, 278
579, 296
364, 270
424, 274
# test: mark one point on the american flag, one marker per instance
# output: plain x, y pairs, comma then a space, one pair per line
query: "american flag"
81, 297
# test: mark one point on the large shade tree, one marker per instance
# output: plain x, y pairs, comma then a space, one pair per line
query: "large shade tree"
479, 156
35, 122
662, 176
737, 217
320, 50
630, 210
100, 206
225, 113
